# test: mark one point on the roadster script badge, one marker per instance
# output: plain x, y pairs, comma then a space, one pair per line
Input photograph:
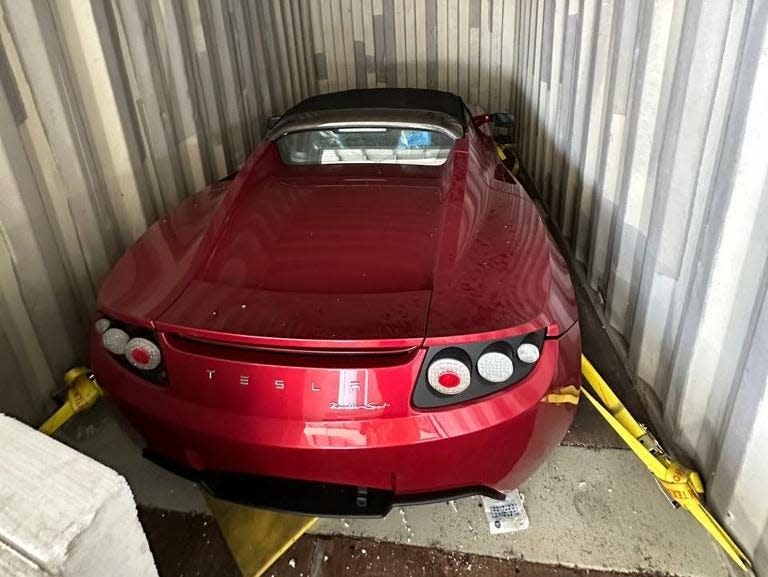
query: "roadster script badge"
353, 384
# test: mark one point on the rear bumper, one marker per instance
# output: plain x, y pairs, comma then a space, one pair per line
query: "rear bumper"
309, 497
490, 444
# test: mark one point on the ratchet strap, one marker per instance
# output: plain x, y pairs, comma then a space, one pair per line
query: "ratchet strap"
682, 486
82, 392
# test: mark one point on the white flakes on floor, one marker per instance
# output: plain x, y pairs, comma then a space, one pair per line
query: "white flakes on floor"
566, 521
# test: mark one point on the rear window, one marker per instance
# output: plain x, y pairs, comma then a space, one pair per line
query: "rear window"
365, 145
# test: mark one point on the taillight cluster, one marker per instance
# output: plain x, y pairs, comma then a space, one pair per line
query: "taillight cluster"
454, 374
134, 347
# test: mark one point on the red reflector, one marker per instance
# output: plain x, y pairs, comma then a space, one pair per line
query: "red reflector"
141, 356
448, 376
449, 380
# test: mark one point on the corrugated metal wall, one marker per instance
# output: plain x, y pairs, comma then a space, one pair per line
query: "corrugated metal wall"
645, 125
642, 122
465, 46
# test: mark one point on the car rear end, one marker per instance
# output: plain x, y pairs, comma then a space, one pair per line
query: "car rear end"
350, 429
374, 315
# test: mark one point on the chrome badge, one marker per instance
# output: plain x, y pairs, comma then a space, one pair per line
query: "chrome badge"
353, 392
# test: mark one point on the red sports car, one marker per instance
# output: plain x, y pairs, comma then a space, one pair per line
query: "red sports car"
372, 312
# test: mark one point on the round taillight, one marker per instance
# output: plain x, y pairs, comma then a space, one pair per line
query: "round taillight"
143, 354
114, 340
495, 367
448, 376
102, 325
528, 353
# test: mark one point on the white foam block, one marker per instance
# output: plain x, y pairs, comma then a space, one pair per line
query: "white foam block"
64, 514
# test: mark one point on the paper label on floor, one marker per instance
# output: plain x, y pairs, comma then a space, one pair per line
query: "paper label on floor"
506, 516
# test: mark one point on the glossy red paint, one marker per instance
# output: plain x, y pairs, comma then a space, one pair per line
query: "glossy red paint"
273, 294
281, 423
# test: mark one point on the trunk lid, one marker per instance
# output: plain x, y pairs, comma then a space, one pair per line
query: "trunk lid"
343, 261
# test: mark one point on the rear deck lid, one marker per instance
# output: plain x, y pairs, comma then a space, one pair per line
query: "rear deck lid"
261, 317
335, 260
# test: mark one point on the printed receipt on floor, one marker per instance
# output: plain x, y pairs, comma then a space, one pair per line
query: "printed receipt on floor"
506, 516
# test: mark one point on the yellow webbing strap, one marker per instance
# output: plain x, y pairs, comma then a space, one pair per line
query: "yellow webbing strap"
610, 400
566, 395
682, 485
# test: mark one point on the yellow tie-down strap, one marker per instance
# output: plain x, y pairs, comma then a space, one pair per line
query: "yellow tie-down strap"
682, 485
505, 151
82, 392
565, 395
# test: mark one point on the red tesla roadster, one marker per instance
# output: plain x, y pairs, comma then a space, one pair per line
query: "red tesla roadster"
372, 312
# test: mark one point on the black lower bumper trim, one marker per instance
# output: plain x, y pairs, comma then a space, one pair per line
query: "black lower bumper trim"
309, 497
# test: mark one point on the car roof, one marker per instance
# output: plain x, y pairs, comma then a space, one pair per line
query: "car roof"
430, 109
385, 98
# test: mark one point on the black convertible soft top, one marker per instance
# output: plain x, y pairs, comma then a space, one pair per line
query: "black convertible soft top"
384, 98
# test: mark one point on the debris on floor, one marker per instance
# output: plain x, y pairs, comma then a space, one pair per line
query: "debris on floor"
319, 556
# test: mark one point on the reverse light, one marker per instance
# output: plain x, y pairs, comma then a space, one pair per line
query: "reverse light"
528, 353
143, 354
448, 376
102, 325
495, 366
114, 340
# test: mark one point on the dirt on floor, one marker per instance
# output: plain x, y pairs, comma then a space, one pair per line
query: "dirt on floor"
191, 545
187, 544
314, 556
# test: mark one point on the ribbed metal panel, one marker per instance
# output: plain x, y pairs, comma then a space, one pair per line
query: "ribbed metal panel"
465, 46
645, 126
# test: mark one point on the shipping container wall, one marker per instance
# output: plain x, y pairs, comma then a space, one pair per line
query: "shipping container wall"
464, 46
645, 126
